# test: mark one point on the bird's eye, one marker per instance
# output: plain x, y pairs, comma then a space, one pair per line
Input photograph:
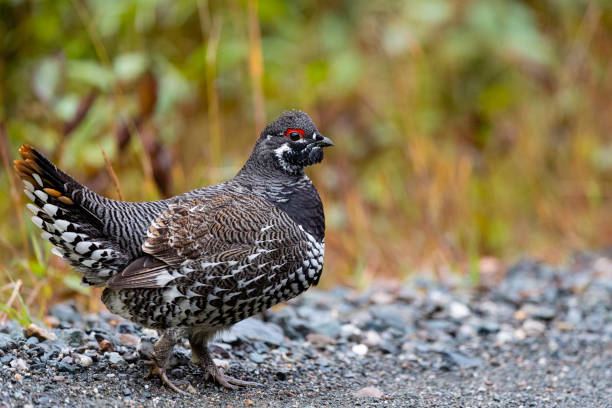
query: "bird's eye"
294, 134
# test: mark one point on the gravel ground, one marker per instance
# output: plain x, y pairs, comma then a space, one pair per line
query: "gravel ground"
540, 337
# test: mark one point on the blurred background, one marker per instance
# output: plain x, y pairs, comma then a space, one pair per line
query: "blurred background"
468, 133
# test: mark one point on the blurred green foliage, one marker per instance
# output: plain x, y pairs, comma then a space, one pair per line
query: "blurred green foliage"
463, 128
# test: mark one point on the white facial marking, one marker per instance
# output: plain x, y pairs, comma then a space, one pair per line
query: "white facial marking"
280, 151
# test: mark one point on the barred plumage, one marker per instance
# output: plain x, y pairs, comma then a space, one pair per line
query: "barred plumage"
202, 261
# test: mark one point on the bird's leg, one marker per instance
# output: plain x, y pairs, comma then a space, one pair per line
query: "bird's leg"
162, 351
201, 356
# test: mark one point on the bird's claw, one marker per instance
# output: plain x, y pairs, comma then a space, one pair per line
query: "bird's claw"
161, 372
229, 382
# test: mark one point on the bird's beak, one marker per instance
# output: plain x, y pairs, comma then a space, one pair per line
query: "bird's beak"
323, 141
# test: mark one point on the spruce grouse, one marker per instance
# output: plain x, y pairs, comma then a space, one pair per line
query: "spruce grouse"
197, 263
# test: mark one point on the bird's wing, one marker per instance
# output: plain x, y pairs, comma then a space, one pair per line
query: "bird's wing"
228, 228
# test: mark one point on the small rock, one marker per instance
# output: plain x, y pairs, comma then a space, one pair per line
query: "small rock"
40, 333
127, 328
149, 332
66, 313
487, 327
360, 349
393, 316
72, 337
533, 327
466, 331
114, 357
128, 339
369, 392
372, 339
19, 364
126, 391
7, 359
106, 345
227, 336
519, 334
261, 347
51, 321
520, 315
84, 361
537, 312
66, 367
257, 357
407, 294
32, 342
254, 329
348, 330
331, 327
504, 337
388, 347
382, 298
458, 311
564, 326
319, 340
6, 342
460, 360
281, 375
574, 316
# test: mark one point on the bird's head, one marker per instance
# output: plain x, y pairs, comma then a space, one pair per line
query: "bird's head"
291, 143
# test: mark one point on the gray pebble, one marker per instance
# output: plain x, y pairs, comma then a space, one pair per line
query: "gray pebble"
114, 357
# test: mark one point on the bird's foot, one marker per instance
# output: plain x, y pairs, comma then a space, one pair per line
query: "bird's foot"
200, 355
161, 372
226, 381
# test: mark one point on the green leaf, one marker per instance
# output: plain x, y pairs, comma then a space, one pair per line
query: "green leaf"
130, 66
90, 72
47, 78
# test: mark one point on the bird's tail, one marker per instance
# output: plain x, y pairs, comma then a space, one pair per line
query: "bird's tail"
59, 208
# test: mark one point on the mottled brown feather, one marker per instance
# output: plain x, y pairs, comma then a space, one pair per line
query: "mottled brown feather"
226, 227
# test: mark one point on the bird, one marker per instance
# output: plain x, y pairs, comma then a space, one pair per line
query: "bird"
193, 265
